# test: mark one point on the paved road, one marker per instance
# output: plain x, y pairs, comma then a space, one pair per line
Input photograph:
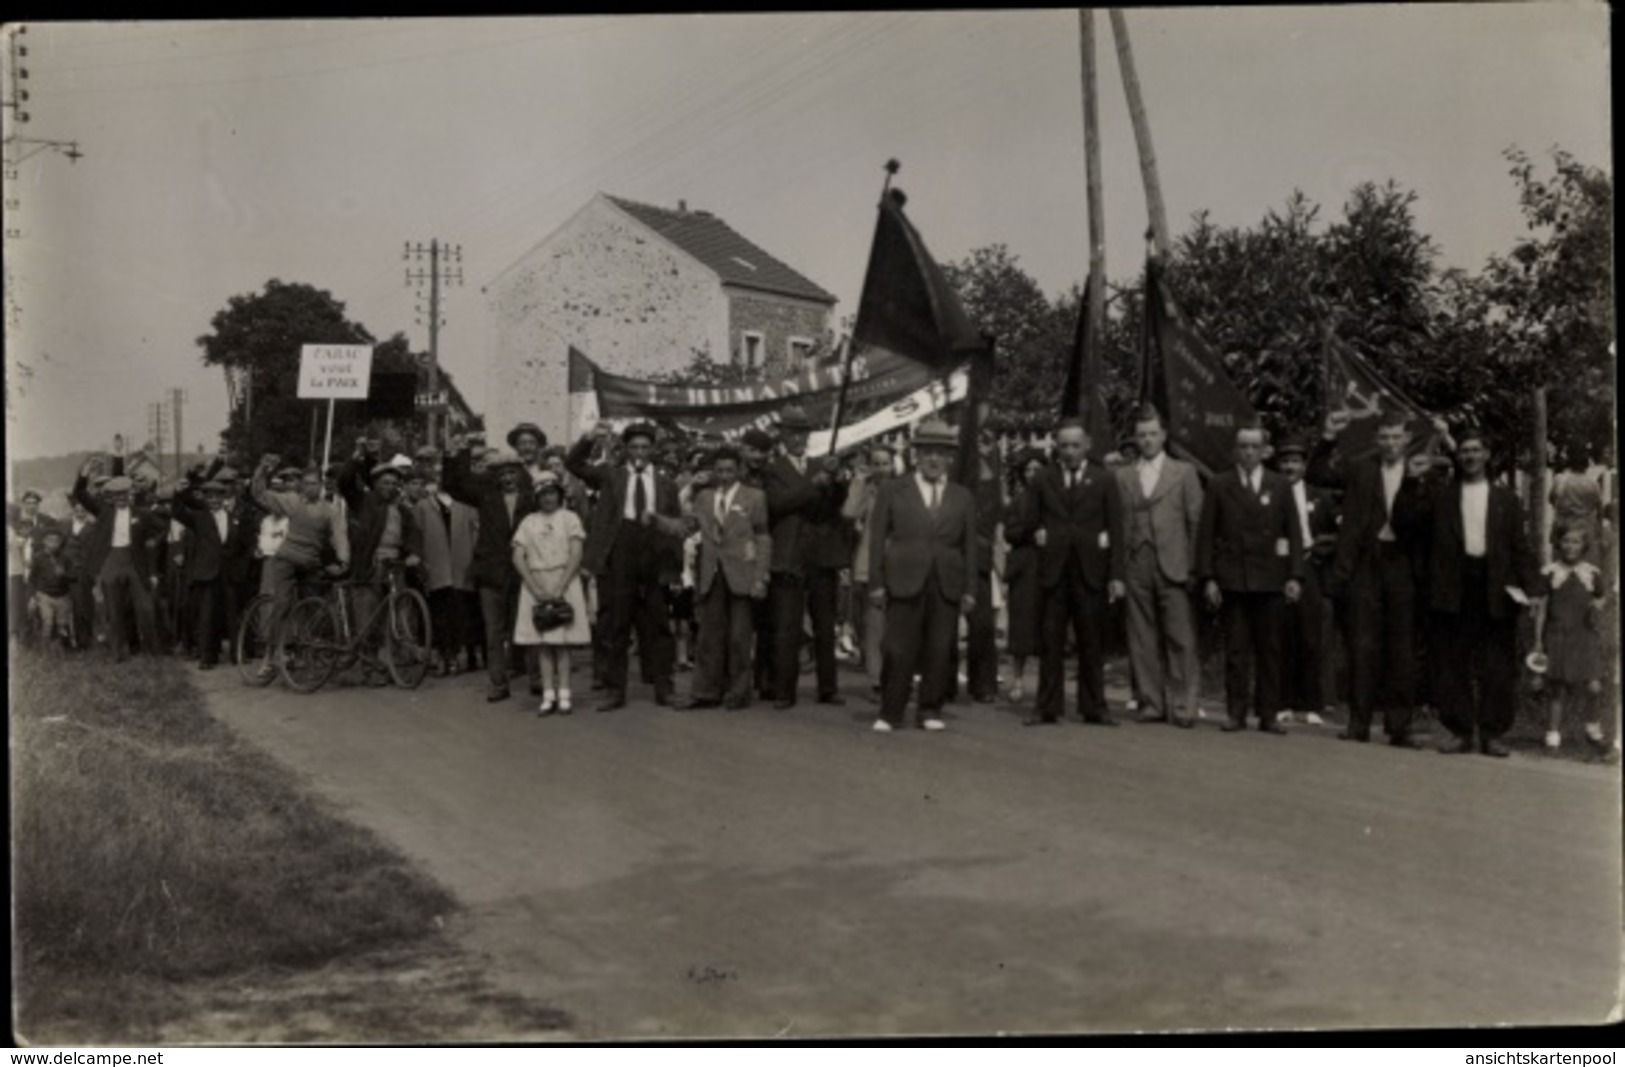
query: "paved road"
761, 873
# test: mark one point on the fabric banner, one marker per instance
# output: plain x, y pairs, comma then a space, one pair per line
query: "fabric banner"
1081, 397
905, 412
1355, 388
1202, 405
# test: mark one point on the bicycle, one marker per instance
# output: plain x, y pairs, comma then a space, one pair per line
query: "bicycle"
256, 633
318, 638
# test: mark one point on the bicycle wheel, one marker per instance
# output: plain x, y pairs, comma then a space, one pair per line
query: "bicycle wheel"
408, 639
251, 646
311, 645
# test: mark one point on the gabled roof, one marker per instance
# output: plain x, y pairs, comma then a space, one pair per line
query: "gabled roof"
714, 243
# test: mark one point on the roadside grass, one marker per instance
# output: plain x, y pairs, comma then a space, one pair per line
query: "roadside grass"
151, 846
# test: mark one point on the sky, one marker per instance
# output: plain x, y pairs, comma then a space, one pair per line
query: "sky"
219, 155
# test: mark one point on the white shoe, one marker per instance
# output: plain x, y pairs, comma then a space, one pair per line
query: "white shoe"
1132, 705
933, 724
1284, 716
1312, 719
881, 726
1554, 740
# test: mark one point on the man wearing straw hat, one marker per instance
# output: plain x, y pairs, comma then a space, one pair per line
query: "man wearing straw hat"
922, 545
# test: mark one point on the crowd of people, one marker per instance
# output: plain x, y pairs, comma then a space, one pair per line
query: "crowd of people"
1411, 571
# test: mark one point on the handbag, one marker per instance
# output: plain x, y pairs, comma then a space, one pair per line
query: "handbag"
551, 615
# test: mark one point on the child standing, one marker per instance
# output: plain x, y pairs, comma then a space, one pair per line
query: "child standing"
1574, 593
547, 553
50, 580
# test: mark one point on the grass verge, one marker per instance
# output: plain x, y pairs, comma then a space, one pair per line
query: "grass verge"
151, 846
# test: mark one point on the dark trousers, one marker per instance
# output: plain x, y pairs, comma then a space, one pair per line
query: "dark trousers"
1302, 649
762, 616
722, 658
210, 605
83, 595
473, 623
920, 635
1070, 603
823, 604
1382, 635
787, 607
497, 607
124, 591
981, 643
17, 596
1252, 654
1476, 661
446, 621
631, 597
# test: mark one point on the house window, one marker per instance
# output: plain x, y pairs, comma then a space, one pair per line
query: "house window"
801, 350
750, 349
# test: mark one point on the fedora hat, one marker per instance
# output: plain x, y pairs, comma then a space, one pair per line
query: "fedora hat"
793, 418
645, 430
934, 433
524, 428
758, 439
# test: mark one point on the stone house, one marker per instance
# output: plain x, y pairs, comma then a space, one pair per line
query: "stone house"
641, 290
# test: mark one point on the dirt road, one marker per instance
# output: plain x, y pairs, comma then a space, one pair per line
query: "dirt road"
657, 873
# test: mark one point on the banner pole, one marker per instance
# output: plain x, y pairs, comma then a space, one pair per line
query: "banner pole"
327, 449
892, 167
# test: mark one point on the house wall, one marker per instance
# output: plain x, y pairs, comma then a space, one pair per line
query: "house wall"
603, 283
777, 318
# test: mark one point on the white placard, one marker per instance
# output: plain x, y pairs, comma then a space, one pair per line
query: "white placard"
334, 372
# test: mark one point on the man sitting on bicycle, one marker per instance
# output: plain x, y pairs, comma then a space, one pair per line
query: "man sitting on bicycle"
385, 537
315, 534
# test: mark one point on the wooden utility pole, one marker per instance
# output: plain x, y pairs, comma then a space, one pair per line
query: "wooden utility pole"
1097, 205
1142, 135
438, 254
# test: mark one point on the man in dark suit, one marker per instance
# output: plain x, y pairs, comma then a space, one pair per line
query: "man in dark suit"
922, 546
731, 576
78, 532
216, 535
981, 638
1480, 571
804, 505
1379, 557
1073, 512
634, 550
1306, 623
503, 497
122, 552
1249, 552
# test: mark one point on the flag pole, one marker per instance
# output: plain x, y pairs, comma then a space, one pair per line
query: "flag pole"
1093, 184
892, 167
1142, 134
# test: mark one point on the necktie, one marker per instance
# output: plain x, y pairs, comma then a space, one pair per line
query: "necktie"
722, 509
640, 500
936, 496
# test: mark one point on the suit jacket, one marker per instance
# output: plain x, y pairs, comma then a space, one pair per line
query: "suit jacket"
1508, 554
208, 558
448, 551
609, 512
908, 544
76, 547
1175, 508
792, 501
1249, 543
1365, 510
740, 547
367, 524
147, 533
493, 540
1083, 523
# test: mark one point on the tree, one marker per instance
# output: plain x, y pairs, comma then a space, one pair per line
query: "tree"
261, 334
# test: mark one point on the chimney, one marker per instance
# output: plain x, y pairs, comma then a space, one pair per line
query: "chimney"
682, 207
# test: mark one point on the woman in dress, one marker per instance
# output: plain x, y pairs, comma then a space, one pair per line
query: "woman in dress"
1021, 573
547, 553
1574, 596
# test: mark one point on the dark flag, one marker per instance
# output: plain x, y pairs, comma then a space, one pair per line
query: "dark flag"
1082, 396
1353, 386
1184, 377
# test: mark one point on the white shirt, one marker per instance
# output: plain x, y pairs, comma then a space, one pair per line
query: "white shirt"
222, 522
1072, 479
798, 462
1475, 513
648, 477
1392, 475
1252, 481
725, 500
930, 492
1150, 472
1300, 494
121, 527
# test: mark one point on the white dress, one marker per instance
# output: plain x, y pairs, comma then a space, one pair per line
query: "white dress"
546, 541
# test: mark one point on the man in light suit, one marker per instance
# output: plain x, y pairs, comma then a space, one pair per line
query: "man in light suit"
1249, 551
735, 551
1480, 571
1162, 509
922, 544
634, 550
1073, 514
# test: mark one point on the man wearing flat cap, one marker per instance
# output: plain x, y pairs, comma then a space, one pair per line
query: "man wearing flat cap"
123, 551
809, 549
922, 548
634, 550
502, 496
216, 535
23, 526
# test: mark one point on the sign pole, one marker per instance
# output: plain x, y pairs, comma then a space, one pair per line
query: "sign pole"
327, 449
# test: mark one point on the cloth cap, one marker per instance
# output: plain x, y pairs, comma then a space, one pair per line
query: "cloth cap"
639, 429
524, 428
1291, 446
760, 440
794, 419
501, 457
32, 494
121, 484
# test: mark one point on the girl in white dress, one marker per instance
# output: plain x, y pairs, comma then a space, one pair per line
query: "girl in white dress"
547, 553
